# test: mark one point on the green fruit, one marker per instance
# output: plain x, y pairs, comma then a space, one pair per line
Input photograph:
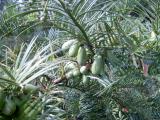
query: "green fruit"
69, 66
30, 88
85, 79
76, 72
9, 107
74, 50
69, 75
81, 57
83, 70
153, 36
2, 101
68, 44
97, 65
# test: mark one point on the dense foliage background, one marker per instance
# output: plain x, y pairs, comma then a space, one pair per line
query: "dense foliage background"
124, 32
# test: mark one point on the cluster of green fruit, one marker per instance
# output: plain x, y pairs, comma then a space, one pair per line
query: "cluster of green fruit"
83, 56
9, 103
